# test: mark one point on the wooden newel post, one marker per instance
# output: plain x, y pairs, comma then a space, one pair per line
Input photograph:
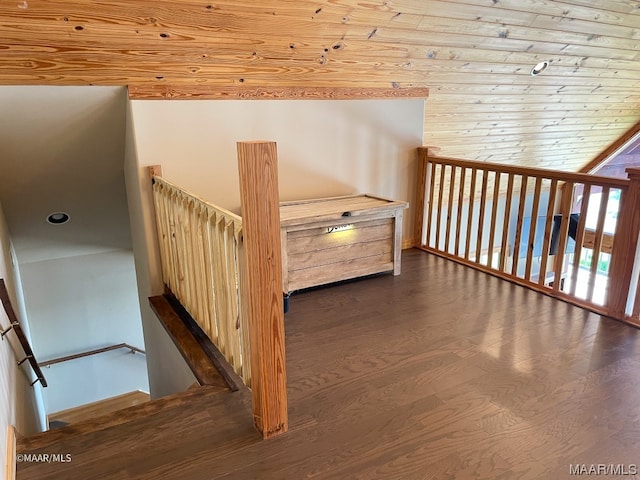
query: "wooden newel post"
258, 170
421, 192
421, 202
624, 244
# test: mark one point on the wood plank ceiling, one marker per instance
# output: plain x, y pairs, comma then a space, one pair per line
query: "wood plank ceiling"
475, 56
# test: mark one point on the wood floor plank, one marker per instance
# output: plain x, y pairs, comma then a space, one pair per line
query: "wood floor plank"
440, 373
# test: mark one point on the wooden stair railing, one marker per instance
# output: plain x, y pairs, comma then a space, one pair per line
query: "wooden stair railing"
22, 338
513, 222
202, 254
53, 361
226, 271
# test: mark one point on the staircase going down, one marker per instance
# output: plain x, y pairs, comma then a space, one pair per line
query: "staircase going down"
137, 442
151, 439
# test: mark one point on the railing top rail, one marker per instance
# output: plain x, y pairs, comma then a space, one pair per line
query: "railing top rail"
53, 361
530, 171
222, 211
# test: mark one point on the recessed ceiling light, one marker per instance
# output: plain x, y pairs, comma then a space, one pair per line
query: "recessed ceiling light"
58, 218
539, 68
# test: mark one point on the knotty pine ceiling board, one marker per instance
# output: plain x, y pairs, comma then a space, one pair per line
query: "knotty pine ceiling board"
473, 56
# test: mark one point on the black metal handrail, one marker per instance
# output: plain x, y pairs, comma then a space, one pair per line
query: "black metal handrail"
22, 338
96, 351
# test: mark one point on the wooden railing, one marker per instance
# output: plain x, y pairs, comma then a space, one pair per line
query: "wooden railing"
227, 273
572, 236
202, 255
22, 338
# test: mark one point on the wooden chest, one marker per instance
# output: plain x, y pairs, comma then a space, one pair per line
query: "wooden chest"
331, 239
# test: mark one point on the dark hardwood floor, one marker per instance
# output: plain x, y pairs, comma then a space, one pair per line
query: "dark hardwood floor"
440, 373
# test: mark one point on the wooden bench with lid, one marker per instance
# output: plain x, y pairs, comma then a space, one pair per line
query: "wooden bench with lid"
331, 239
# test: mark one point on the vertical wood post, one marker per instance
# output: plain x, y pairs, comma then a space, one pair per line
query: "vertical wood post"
258, 171
625, 242
10, 463
421, 192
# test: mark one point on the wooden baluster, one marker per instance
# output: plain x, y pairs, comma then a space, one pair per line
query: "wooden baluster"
483, 201
504, 247
212, 329
189, 262
472, 196
198, 264
452, 182
635, 313
234, 283
548, 228
532, 227
584, 207
181, 280
439, 211
155, 174
232, 304
516, 243
170, 275
597, 247
172, 244
463, 172
169, 201
243, 290
258, 172
565, 209
219, 280
432, 196
203, 233
494, 217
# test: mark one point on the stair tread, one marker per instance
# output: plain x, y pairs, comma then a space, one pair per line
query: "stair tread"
125, 415
145, 446
99, 408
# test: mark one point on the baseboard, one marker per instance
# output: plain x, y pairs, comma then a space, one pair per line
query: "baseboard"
408, 243
10, 463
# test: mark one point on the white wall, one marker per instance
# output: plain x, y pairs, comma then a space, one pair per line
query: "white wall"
167, 371
81, 303
19, 403
325, 147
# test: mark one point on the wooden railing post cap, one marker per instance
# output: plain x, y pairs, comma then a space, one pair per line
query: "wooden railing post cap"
633, 173
431, 151
155, 170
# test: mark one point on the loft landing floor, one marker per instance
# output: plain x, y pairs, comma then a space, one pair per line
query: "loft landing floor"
440, 373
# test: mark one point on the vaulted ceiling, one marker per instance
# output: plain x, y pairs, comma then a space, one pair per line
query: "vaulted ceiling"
474, 56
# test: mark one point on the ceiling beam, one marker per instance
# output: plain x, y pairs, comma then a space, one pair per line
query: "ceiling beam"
203, 92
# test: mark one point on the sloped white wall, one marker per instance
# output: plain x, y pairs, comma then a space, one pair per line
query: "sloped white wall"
167, 371
20, 404
82, 303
